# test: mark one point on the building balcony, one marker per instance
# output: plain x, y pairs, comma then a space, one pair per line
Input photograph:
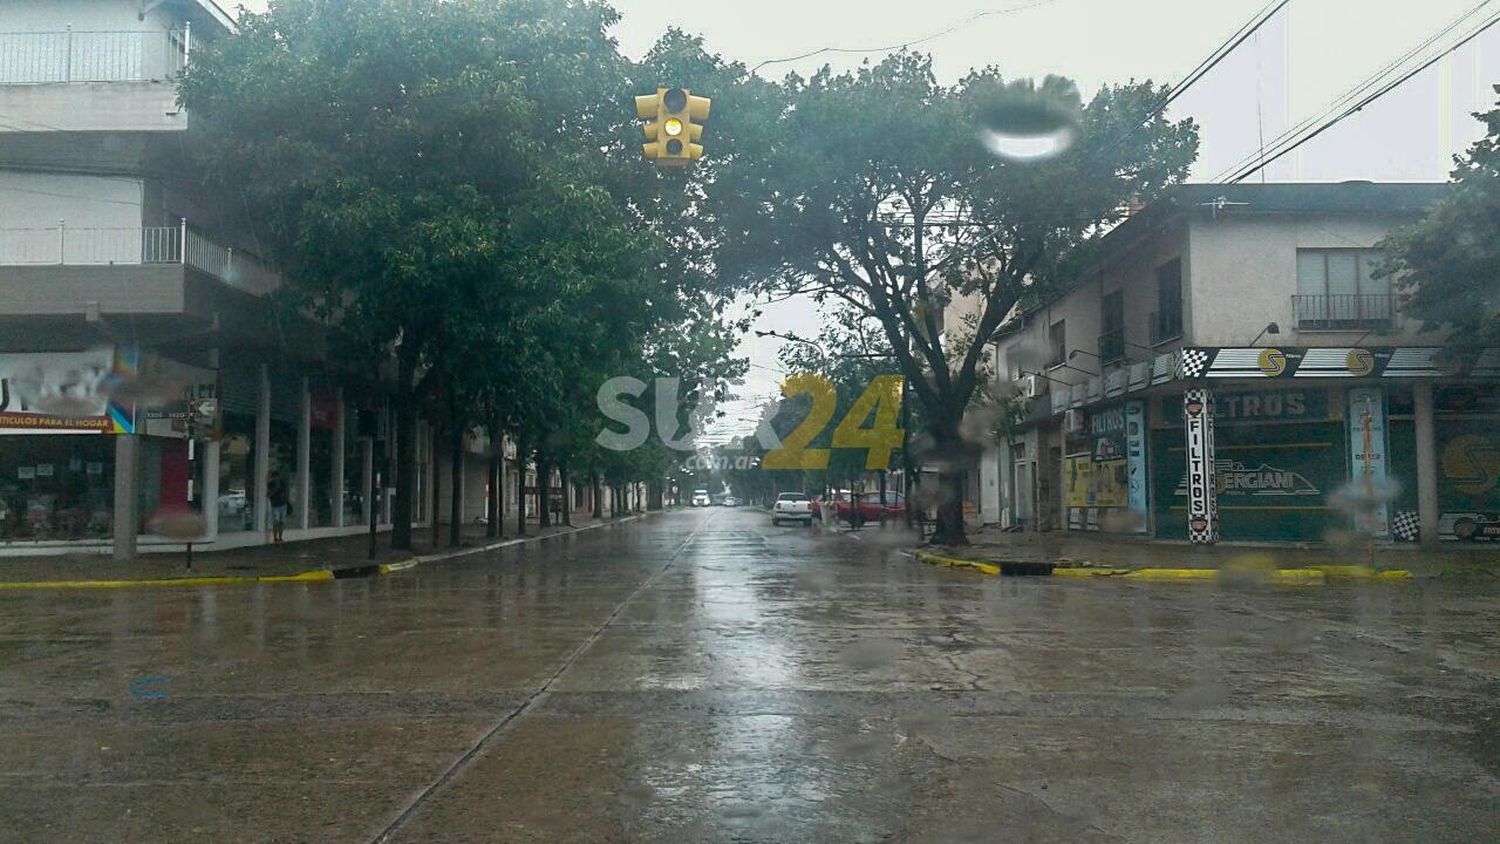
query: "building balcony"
1112, 346
1345, 312
77, 81
1166, 326
68, 56
62, 245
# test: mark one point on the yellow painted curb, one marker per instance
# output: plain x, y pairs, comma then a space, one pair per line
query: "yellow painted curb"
1311, 575
1172, 574
301, 577
957, 563
387, 568
227, 580
1296, 576
1362, 573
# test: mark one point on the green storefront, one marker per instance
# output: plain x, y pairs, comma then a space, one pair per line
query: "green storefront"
1466, 433
1279, 456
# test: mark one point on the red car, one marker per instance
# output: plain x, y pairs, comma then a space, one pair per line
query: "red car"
870, 507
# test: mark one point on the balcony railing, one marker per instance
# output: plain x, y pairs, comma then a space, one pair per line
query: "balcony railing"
1165, 326
1345, 312
36, 58
1112, 346
64, 245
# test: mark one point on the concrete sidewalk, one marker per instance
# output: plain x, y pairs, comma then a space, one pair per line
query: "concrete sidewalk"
1081, 549
344, 555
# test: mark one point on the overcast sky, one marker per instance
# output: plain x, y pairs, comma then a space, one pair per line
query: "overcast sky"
1309, 54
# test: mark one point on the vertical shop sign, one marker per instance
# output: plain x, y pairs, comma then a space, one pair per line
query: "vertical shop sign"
1366, 420
1197, 412
1135, 458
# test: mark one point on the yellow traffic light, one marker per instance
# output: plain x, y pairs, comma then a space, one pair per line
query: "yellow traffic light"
672, 136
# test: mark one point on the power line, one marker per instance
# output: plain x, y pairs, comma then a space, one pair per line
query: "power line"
1302, 133
912, 43
1229, 45
1352, 92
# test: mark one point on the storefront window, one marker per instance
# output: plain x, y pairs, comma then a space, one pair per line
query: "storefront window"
320, 465
354, 480
283, 464
56, 487
237, 474
170, 478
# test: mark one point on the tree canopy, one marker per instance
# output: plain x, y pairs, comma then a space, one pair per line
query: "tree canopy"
1449, 262
874, 188
444, 182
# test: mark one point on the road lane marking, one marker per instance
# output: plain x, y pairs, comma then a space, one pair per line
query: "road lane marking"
494, 733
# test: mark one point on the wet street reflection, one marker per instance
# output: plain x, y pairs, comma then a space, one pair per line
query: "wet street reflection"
704, 676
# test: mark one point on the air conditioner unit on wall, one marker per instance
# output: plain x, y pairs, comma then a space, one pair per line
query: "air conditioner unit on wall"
1073, 422
1031, 386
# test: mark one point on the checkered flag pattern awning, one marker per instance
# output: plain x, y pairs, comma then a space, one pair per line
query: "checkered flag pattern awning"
1192, 363
1405, 527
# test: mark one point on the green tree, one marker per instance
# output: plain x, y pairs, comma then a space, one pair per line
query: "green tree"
1449, 262
873, 187
392, 155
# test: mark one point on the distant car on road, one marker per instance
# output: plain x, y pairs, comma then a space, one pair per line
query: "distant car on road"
791, 507
867, 504
700, 498
731, 501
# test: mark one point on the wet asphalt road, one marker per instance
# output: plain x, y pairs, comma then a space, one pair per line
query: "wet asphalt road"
702, 676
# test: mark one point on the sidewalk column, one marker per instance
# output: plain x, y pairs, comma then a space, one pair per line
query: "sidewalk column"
262, 451
304, 458
1203, 511
127, 458
1427, 475
339, 432
210, 496
366, 476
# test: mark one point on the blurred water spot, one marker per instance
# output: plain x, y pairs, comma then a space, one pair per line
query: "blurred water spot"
1025, 123
1203, 695
1250, 569
177, 523
637, 793
863, 747
1027, 147
1121, 521
67, 405
144, 389
150, 688
870, 653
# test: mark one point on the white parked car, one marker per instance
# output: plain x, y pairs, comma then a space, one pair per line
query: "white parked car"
701, 498
791, 507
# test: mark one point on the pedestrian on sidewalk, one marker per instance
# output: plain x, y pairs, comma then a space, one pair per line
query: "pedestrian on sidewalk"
277, 496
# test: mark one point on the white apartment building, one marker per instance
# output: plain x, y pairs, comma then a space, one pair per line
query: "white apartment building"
143, 370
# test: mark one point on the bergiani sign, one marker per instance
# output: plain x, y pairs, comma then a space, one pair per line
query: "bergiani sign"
1238, 479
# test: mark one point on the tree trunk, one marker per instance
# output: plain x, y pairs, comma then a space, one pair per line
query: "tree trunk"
456, 487
520, 487
950, 511
543, 493
406, 453
598, 495
567, 497
499, 483
882, 496
493, 484
437, 490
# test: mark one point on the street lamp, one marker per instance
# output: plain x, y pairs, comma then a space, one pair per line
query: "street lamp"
1271, 328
